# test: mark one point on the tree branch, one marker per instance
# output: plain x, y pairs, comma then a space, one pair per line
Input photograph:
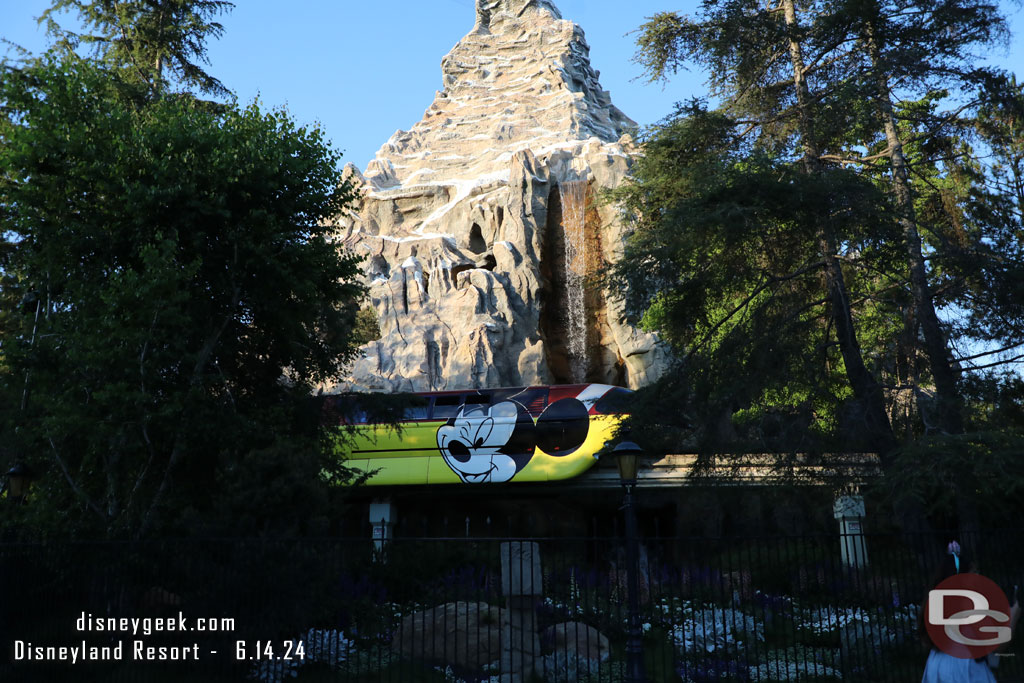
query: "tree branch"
743, 304
197, 371
988, 353
1008, 361
74, 486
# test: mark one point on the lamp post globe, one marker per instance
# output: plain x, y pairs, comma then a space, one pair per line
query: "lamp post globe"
627, 458
19, 477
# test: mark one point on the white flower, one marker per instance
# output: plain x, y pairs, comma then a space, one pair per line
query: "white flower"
825, 620
563, 667
716, 628
275, 670
328, 647
776, 670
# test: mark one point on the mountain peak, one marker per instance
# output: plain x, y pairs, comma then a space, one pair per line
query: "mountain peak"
481, 224
496, 16
521, 79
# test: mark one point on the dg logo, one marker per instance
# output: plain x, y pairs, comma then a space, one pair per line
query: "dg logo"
964, 616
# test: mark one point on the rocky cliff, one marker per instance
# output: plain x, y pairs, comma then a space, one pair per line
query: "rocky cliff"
481, 224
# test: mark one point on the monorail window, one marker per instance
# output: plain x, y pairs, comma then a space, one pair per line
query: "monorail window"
477, 400
343, 409
616, 402
447, 406
534, 399
418, 411
499, 395
563, 427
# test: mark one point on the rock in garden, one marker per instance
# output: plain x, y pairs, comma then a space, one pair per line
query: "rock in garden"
576, 639
459, 634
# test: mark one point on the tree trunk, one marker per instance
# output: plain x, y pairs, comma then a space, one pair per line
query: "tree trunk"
867, 391
178, 448
949, 413
950, 418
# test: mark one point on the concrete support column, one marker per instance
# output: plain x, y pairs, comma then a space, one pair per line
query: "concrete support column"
522, 584
849, 510
381, 520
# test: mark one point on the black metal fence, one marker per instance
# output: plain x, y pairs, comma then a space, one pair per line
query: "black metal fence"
440, 609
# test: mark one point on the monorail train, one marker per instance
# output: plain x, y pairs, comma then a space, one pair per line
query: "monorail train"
524, 434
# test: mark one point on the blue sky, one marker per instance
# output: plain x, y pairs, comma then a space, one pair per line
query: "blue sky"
365, 69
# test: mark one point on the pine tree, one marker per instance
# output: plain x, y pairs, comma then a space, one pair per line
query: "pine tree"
851, 94
153, 42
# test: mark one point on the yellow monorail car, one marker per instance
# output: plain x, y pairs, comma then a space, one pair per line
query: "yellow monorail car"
524, 434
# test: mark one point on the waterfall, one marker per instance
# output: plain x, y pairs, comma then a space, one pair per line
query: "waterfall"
573, 196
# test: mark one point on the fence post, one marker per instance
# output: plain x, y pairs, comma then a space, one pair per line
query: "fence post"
849, 510
521, 583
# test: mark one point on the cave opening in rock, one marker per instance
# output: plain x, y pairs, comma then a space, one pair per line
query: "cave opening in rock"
477, 245
379, 267
460, 268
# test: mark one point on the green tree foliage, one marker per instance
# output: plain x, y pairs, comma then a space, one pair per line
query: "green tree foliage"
918, 47
743, 290
146, 39
180, 296
367, 327
995, 209
825, 247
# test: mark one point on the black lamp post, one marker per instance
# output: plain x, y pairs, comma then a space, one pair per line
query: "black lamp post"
19, 478
627, 457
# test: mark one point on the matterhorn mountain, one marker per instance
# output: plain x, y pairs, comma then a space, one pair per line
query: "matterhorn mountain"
481, 225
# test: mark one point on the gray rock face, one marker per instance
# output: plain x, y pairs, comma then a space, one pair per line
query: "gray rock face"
574, 639
481, 224
462, 634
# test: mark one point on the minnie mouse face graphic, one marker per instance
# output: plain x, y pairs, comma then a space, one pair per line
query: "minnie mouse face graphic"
492, 443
